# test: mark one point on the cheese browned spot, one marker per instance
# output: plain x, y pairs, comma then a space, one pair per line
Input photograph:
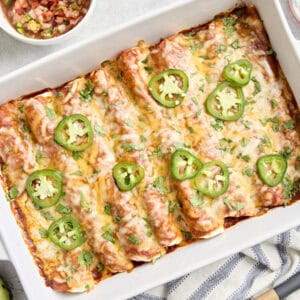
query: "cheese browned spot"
129, 125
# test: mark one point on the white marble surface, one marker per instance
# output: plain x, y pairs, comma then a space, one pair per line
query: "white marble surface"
108, 13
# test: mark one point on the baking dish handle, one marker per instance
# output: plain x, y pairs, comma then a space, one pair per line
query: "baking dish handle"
3, 253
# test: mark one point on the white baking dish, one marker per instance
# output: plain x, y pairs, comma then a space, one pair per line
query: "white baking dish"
79, 59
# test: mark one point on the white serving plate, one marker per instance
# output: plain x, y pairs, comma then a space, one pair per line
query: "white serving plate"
79, 59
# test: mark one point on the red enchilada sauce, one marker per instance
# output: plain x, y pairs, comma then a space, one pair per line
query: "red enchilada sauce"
44, 19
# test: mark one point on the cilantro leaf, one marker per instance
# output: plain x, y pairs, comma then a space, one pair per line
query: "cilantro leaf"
197, 200
87, 93
133, 239
85, 259
159, 185
51, 114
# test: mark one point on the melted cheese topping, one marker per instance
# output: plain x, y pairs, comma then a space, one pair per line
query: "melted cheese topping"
129, 125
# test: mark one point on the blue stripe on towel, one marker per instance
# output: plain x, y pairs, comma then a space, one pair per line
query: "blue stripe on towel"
242, 291
261, 257
283, 241
222, 273
174, 284
258, 268
146, 296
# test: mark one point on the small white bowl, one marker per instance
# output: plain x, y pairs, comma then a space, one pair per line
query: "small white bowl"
8, 28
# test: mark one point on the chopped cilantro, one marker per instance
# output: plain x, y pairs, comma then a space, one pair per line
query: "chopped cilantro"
39, 156
12, 193
173, 205
155, 260
248, 172
218, 125
149, 232
201, 86
145, 61
143, 139
149, 70
249, 101
187, 235
77, 155
133, 239
228, 21
50, 113
264, 121
196, 46
128, 123
191, 129
226, 140
132, 147
204, 56
228, 204
244, 142
286, 152
289, 124
257, 86
275, 127
46, 215
43, 232
99, 130
190, 35
180, 145
274, 120
296, 187
229, 26
157, 152
117, 219
287, 185
159, 185
179, 218
21, 109
195, 101
85, 258
235, 44
274, 103
271, 52
100, 267
63, 210
221, 48
87, 93
237, 206
247, 124
197, 200
83, 203
108, 235
208, 79
224, 145
244, 157
264, 141
114, 135
107, 209
25, 128
77, 173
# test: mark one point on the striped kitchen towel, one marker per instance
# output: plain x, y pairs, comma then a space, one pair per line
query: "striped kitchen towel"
240, 276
